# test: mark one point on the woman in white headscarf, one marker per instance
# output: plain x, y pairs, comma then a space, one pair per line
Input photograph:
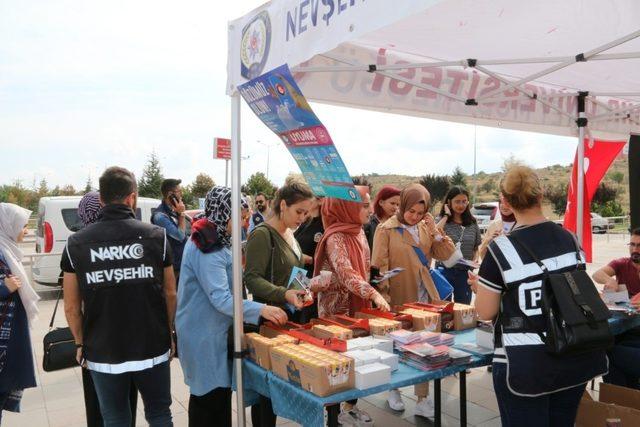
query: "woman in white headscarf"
18, 310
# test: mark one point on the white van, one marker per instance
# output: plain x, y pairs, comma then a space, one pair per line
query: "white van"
57, 220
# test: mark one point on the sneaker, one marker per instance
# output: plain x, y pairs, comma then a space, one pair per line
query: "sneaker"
355, 418
395, 400
425, 408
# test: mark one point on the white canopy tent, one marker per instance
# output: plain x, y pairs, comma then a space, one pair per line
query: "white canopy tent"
562, 68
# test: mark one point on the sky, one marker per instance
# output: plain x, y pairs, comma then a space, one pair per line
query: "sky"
87, 85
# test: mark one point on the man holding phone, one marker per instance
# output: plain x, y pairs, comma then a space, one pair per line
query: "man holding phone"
170, 216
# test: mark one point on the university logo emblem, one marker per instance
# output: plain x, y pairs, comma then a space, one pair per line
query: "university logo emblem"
254, 46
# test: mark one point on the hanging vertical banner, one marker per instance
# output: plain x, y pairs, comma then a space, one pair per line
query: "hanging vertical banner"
598, 156
277, 100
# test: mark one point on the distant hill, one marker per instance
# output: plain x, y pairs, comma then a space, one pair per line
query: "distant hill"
487, 183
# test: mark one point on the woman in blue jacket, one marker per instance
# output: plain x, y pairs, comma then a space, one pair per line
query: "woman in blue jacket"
205, 312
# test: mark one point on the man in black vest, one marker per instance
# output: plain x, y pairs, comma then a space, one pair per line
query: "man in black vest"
120, 303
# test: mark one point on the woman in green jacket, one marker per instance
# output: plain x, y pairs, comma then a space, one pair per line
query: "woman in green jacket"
272, 252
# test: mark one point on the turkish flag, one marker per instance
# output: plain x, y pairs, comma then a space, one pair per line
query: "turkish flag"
598, 156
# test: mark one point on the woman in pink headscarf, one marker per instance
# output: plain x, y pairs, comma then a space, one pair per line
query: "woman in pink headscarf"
344, 251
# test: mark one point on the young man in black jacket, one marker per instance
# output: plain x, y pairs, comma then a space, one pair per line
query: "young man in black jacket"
120, 303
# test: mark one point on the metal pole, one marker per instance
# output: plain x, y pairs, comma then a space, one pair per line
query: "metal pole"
226, 172
475, 158
582, 123
236, 248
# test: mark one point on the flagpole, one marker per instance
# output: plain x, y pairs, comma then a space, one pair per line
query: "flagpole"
582, 123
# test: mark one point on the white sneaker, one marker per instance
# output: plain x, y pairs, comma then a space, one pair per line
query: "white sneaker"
425, 408
395, 400
355, 418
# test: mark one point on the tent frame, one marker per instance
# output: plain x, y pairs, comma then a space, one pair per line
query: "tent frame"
580, 119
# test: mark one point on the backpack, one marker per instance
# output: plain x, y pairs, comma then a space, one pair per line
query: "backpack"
576, 318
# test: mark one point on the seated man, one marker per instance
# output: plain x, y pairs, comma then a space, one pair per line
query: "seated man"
623, 367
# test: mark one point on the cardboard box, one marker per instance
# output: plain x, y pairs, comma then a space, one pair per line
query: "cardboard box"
318, 371
332, 331
406, 320
424, 320
362, 357
260, 347
464, 317
615, 402
372, 375
443, 308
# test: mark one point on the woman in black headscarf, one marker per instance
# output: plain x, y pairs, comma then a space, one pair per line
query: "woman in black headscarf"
205, 312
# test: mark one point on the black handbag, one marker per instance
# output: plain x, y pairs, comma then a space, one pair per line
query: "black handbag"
576, 318
59, 346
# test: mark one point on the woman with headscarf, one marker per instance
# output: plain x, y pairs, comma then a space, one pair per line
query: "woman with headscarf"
344, 251
205, 312
499, 226
89, 208
18, 310
409, 240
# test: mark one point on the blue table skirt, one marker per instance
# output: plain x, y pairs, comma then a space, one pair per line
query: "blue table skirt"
294, 403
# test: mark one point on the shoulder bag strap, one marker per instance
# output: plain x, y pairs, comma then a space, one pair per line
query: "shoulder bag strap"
55, 309
421, 256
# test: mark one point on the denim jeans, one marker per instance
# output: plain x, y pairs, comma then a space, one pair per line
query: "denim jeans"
458, 279
154, 385
557, 409
624, 369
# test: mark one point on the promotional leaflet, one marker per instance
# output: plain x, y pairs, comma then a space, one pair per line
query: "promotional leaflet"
277, 100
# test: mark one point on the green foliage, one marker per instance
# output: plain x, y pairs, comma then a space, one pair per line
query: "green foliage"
557, 196
257, 183
488, 186
438, 185
151, 180
68, 190
610, 208
604, 194
88, 187
458, 177
201, 186
188, 198
616, 176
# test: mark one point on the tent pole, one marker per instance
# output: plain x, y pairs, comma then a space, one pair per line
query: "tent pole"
236, 248
582, 123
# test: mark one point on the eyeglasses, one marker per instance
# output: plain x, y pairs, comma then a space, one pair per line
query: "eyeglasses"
634, 245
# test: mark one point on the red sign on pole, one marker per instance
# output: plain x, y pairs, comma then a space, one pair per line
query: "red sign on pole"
222, 148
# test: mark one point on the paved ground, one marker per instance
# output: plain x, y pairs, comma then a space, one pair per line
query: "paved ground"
58, 401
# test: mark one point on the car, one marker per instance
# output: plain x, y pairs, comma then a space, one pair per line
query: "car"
57, 220
485, 213
600, 224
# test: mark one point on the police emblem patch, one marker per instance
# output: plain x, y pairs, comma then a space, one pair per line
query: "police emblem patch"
254, 46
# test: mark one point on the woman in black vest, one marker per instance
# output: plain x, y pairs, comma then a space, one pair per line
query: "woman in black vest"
532, 386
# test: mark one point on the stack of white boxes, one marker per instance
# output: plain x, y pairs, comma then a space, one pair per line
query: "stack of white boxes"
373, 366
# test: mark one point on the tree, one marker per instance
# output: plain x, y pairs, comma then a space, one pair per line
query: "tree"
611, 208
458, 177
201, 186
259, 183
189, 200
438, 185
43, 189
604, 194
151, 180
488, 186
67, 190
557, 195
88, 186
